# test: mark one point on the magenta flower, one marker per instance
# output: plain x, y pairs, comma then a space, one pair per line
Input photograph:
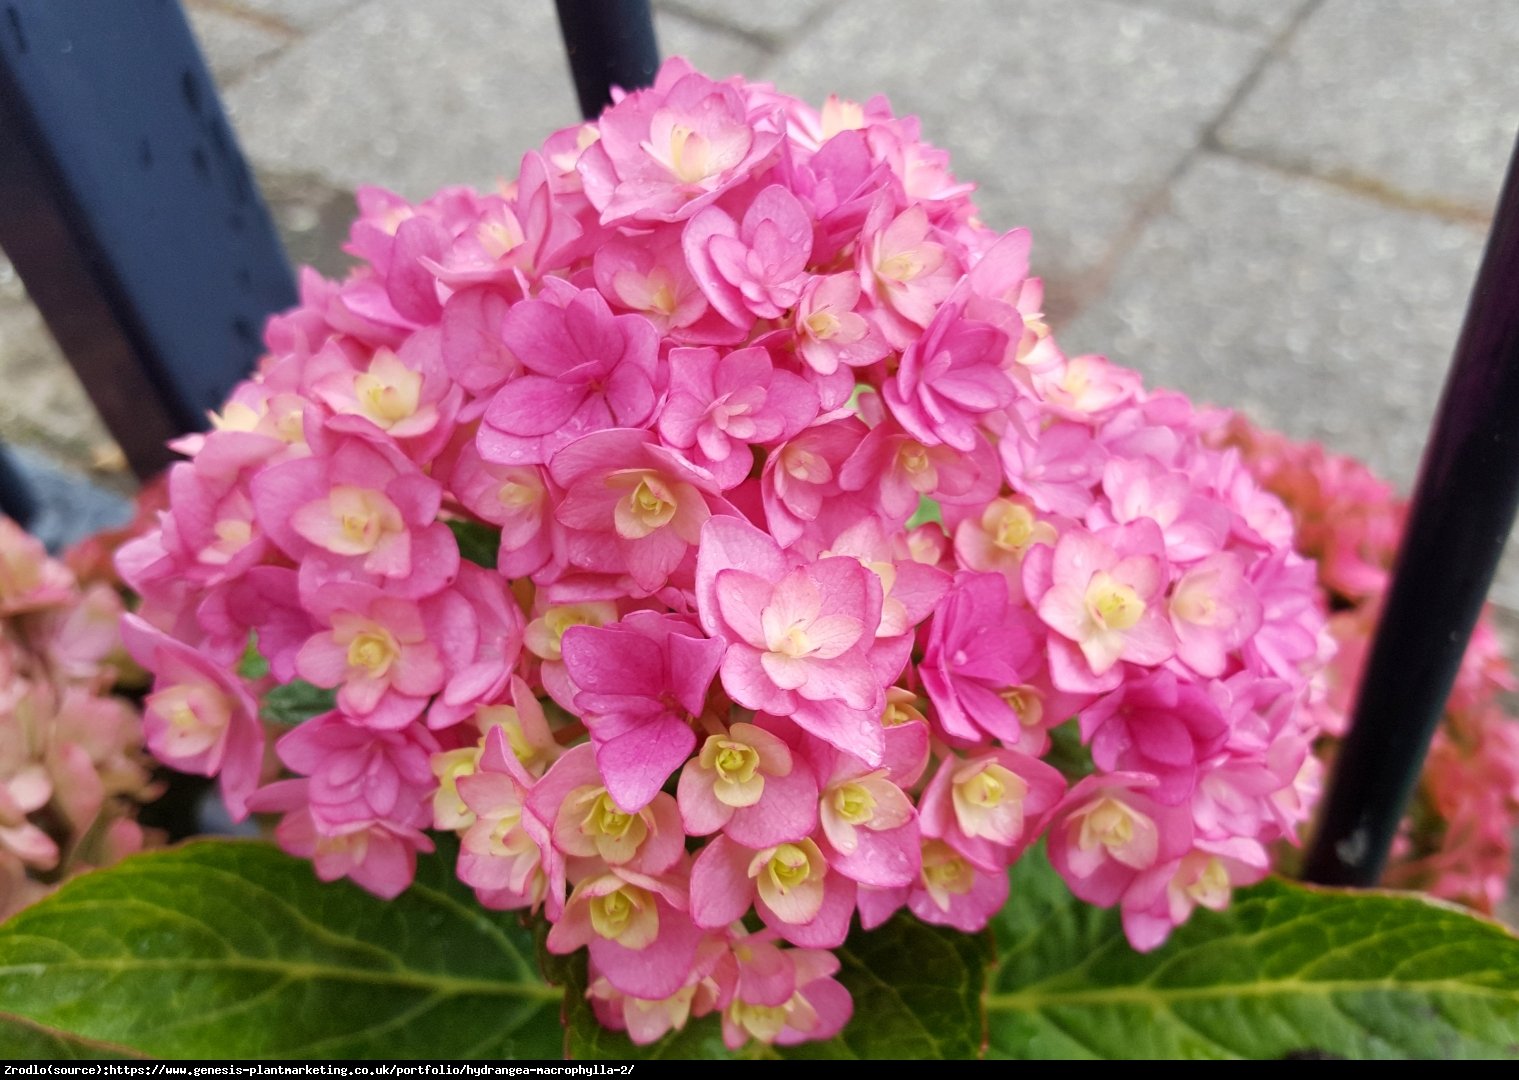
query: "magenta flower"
358, 773
979, 647
719, 406
798, 638
1158, 726
640, 681
949, 379
586, 370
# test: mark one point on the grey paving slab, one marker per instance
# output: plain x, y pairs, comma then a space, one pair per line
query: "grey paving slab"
768, 18
717, 52
1068, 115
414, 97
1420, 96
1257, 16
232, 44
1317, 312
42, 402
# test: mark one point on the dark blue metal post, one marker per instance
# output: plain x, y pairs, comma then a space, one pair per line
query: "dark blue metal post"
1463, 506
130, 214
610, 43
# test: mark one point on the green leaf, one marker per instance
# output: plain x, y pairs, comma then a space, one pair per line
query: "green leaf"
295, 702
229, 948
916, 989
928, 510
1287, 971
917, 993
252, 665
22, 1038
478, 543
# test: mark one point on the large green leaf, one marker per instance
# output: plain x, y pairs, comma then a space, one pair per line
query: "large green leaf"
916, 990
231, 949
1286, 971
21, 1038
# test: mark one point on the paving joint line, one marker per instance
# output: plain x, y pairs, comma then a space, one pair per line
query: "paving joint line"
263, 20
1093, 283
766, 43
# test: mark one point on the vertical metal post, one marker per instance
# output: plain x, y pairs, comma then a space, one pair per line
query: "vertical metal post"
130, 213
610, 43
1463, 506
17, 500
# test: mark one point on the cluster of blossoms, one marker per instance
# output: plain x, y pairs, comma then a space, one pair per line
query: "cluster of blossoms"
1457, 842
805, 536
72, 771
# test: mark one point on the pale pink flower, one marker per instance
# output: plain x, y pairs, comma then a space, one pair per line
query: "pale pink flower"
364, 514
951, 890
636, 507
200, 718
748, 783
1165, 897
790, 885
666, 152
991, 805
798, 638
383, 654
829, 329
1107, 831
1102, 594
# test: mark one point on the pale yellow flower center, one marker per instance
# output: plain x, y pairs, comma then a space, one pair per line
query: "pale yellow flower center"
1111, 604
